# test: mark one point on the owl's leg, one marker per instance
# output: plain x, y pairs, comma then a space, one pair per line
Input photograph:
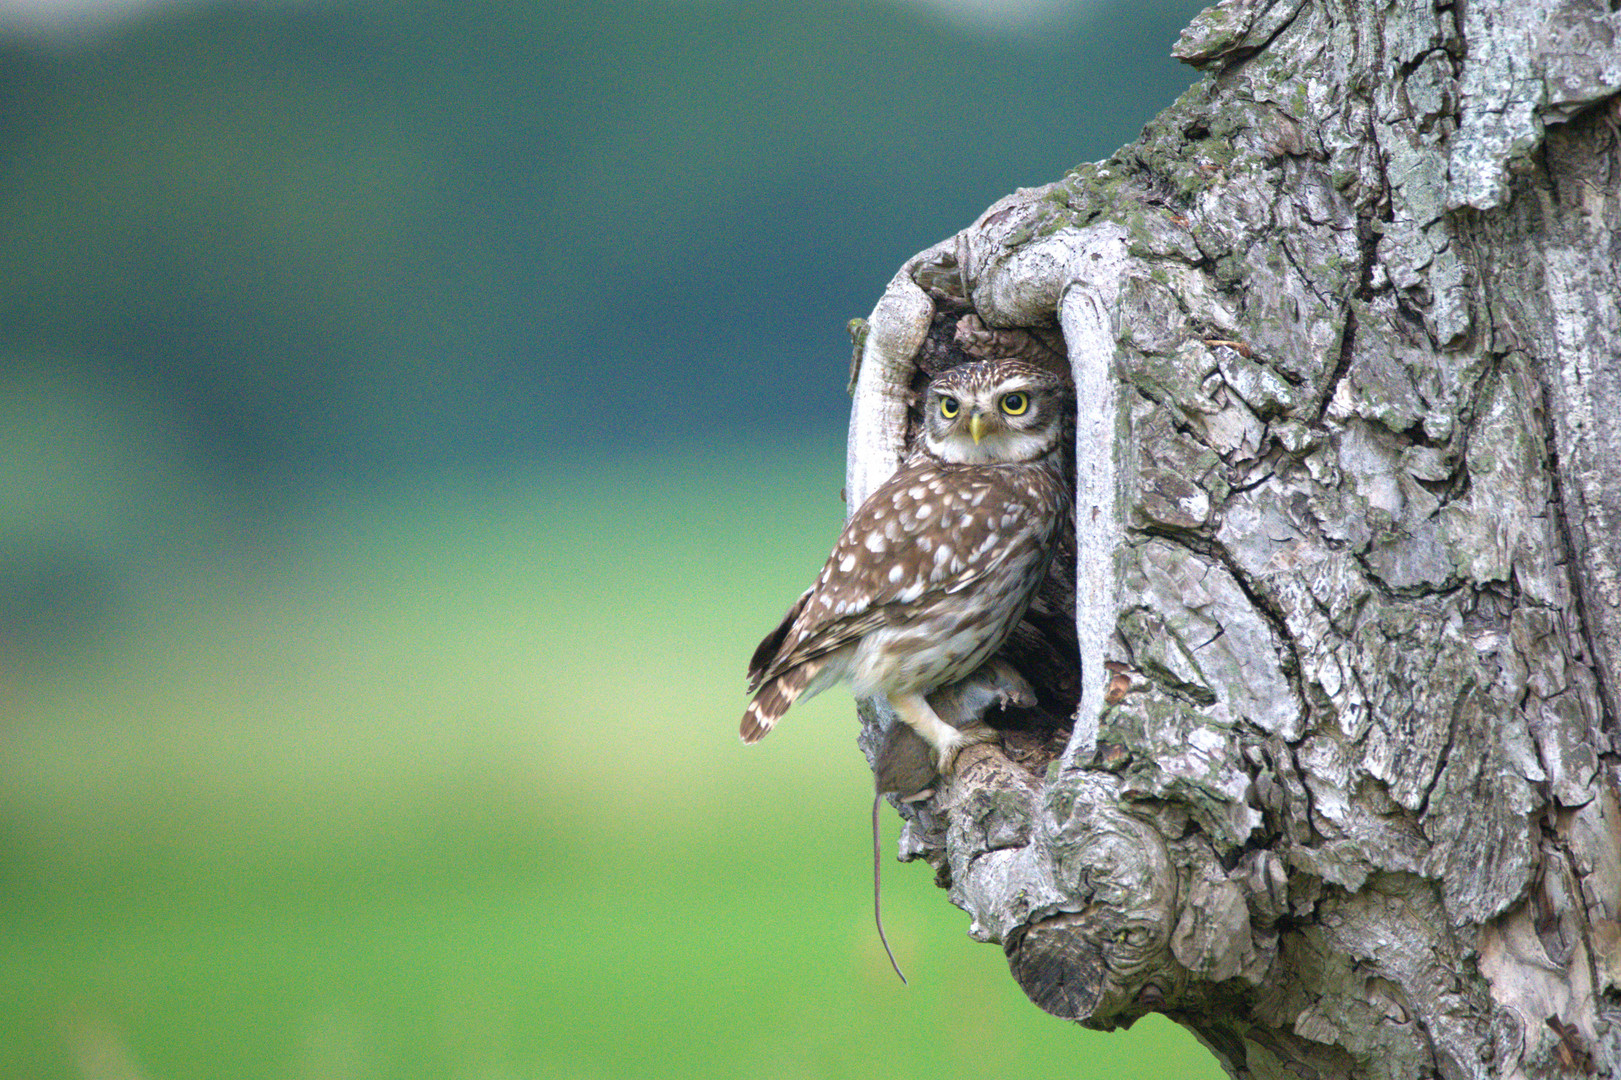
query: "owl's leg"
946, 740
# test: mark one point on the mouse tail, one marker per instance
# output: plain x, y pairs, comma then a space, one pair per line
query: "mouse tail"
878, 889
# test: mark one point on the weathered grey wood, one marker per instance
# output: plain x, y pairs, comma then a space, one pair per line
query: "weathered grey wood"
1345, 325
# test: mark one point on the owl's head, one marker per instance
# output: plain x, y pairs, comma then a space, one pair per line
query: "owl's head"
994, 412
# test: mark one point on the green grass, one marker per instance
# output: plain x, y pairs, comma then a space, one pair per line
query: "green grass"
445, 783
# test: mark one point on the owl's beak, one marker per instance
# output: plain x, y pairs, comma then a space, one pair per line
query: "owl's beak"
977, 425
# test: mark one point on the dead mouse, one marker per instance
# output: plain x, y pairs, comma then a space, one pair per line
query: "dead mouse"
904, 766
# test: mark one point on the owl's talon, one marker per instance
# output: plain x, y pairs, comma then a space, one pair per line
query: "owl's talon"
946, 754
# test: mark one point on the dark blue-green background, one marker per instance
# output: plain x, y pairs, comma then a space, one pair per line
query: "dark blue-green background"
410, 415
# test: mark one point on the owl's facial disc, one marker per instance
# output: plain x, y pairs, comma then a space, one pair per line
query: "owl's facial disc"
985, 413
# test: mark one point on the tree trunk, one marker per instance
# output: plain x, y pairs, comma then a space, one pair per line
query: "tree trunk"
1345, 334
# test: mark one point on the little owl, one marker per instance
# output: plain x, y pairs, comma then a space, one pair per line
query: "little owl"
937, 567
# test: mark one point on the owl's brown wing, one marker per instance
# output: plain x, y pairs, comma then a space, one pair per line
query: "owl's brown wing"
931, 529
760, 663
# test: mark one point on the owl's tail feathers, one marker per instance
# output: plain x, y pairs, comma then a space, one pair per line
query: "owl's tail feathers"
774, 698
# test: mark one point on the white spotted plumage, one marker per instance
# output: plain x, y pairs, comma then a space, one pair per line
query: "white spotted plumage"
937, 567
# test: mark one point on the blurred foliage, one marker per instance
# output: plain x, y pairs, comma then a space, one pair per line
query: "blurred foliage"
363, 236
250, 250
450, 786
412, 414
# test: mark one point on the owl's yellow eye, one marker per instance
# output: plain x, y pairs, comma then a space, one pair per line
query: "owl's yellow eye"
1015, 404
949, 407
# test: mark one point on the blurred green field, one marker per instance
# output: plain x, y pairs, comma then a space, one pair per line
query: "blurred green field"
444, 782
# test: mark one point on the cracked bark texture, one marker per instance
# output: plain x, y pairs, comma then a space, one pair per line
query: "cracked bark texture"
1345, 325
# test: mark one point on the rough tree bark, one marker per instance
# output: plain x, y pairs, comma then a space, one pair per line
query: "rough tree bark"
1344, 328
